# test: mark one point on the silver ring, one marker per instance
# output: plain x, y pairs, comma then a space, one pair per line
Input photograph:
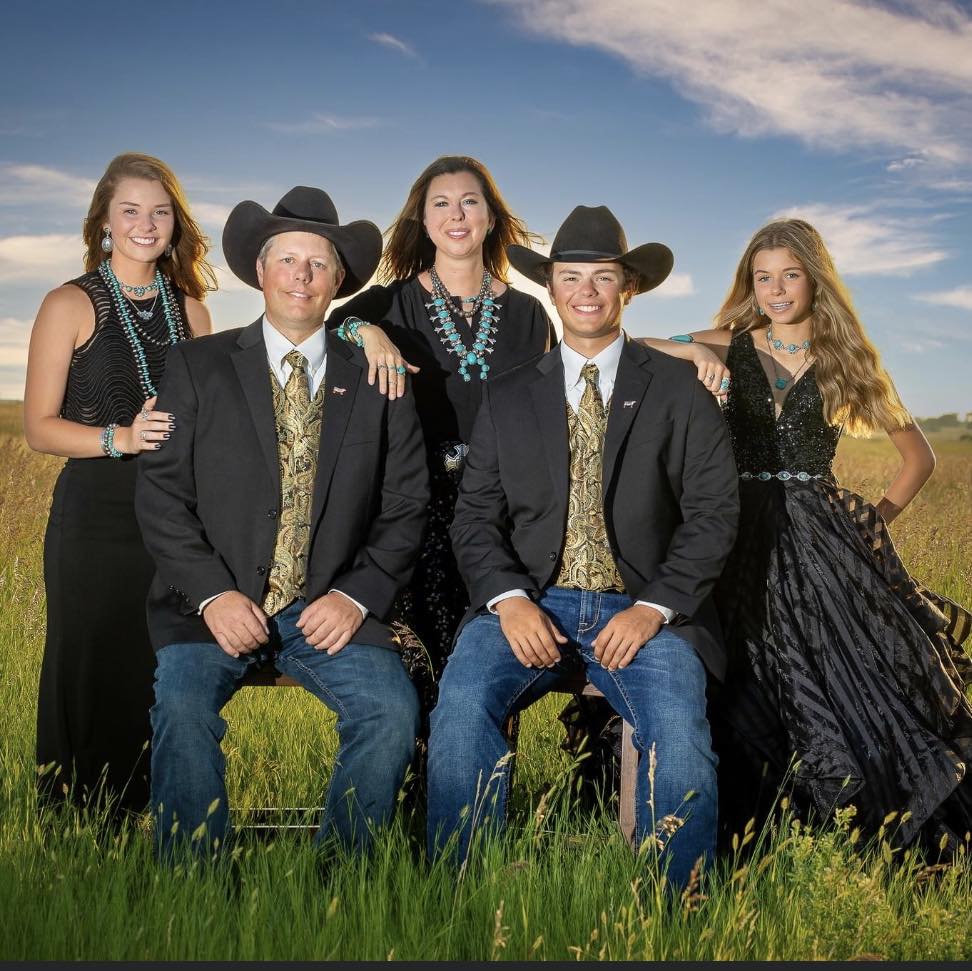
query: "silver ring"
144, 414
708, 378
141, 435
385, 366
724, 386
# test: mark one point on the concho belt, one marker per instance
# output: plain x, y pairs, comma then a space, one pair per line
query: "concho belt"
782, 476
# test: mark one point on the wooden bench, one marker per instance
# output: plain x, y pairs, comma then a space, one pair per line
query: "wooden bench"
269, 677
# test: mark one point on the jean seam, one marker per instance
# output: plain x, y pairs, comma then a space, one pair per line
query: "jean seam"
505, 778
338, 706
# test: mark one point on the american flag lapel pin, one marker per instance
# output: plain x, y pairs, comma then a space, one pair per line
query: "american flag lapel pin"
338, 390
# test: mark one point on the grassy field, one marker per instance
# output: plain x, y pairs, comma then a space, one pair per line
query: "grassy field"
562, 886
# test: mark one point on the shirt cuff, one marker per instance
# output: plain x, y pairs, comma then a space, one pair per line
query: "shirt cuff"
666, 612
209, 600
361, 607
491, 604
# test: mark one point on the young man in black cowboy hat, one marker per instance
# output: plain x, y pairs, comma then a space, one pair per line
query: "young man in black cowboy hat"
283, 516
596, 510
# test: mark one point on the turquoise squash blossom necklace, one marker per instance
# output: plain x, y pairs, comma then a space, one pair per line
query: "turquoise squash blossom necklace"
170, 309
440, 313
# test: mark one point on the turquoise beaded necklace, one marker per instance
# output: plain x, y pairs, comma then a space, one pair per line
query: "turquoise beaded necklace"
441, 317
170, 310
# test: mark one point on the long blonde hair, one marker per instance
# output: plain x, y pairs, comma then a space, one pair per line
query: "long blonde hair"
856, 390
186, 265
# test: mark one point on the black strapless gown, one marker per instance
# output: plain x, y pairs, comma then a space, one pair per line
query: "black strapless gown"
837, 657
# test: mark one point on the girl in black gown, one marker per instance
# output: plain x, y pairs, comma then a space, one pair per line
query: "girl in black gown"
449, 240
96, 356
839, 661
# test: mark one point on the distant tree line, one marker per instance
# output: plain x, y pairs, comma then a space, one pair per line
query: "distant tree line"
949, 420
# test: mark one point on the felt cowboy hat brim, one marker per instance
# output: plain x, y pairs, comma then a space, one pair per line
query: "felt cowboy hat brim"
302, 210
594, 235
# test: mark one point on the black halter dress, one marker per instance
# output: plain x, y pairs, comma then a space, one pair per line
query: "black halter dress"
838, 659
93, 729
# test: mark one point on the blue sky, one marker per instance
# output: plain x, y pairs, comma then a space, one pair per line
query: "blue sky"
696, 121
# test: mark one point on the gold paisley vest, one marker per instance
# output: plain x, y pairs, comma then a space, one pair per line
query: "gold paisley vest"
298, 421
587, 562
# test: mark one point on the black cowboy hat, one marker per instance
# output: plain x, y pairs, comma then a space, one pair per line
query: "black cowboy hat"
592, 234
302, 210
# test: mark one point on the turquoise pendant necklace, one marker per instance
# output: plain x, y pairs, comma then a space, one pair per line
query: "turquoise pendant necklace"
440, 313
780, 383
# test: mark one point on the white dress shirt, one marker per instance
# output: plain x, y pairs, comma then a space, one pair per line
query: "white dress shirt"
607, 370
314, 349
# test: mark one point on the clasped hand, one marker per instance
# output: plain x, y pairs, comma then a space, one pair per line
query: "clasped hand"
534, 639
240, 626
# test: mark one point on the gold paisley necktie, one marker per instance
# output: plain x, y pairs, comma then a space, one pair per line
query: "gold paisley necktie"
298, 422
587, 562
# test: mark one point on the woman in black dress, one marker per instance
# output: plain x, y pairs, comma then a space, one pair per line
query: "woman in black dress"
839, 661
449, 241
97, 351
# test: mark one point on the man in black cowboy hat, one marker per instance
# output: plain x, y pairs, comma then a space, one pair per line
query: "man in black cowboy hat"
596, 510
283, 516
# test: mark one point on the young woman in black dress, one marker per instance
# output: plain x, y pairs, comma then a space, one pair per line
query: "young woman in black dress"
447, 312
96, 357
839, 661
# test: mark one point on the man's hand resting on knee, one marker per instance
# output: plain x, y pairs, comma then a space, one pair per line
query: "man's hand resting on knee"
531, 634
237, 623
625, 634
330, 622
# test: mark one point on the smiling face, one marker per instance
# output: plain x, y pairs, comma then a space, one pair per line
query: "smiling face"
142, 222
782, 287
589, 298
456, 215
299, 274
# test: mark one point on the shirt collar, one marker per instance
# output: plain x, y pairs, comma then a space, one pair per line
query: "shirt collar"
607, 361
314, 348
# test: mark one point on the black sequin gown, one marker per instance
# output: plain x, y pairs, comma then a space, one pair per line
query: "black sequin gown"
98, 666
837, 657
435, 600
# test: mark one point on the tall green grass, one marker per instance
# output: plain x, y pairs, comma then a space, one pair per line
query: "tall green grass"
562, 885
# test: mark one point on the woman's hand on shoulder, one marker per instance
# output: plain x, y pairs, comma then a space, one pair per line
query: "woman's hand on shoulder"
385, 361
706, 349
200, 319
148, 431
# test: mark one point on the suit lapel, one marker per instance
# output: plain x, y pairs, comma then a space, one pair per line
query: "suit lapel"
632, 380
550, 405
253, 372
341, 379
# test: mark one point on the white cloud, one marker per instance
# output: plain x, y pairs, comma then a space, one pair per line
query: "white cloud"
321, 124
48, 260
677, 285
960, 297
396, 44
22, 185
866, 242
834, 73
211, 214
14, 336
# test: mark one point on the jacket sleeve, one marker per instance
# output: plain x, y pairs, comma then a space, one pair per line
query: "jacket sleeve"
165, 497
384, 564
709, 502
481, 528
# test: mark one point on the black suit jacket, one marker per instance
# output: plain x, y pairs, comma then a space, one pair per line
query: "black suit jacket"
208, 502
670, 489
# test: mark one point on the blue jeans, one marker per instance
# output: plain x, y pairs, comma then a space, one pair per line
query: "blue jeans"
366, 686
661, 694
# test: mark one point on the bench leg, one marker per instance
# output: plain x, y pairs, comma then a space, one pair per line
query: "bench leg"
629, 784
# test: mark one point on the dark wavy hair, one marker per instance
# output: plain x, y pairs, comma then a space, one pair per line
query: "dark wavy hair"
186, 267
409, 250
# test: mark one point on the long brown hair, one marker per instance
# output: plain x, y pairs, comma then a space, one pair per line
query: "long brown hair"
186, 267
856, 390
410, 251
